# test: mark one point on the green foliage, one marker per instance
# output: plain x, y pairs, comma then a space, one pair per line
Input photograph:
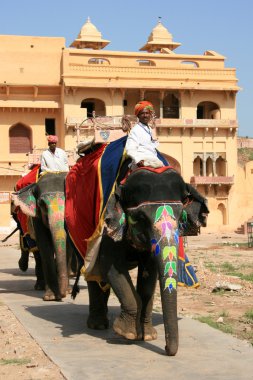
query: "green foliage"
228, 329
246, 277
228, 267
249, 314
14, 361
246, 154
224, 314
211, 267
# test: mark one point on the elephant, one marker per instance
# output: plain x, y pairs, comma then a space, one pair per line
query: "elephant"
27, 246
142, 229
44, 201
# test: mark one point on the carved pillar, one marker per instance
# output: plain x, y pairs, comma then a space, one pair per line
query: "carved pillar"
204, 165
112, 90
161, 97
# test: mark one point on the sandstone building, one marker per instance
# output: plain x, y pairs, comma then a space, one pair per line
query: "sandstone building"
47, 88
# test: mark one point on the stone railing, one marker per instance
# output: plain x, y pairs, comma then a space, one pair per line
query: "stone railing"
219, 180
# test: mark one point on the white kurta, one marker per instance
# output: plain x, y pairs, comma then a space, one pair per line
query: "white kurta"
54, 162
140, 145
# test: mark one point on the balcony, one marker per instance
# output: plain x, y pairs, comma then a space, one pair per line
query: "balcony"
197, 123
219, 180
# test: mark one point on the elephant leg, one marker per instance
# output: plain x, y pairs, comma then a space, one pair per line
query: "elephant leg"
40, 281
113, 266
97, 319
24, 258
23, 261
146, 284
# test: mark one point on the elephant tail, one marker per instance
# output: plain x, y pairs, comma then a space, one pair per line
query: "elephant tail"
76, 288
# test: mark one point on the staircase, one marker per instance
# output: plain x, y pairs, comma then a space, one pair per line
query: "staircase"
243, 227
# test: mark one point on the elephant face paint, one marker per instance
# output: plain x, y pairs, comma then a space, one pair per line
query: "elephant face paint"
55, 208
154, 226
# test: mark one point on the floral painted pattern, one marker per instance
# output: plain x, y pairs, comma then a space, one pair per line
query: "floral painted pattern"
56, 208
165, 225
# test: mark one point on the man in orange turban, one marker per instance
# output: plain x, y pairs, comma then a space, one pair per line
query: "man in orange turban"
141, 105
140, 145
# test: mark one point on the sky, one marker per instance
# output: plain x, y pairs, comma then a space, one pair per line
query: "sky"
225, 26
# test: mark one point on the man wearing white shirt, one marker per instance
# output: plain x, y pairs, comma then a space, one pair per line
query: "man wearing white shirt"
54, 159
140, 145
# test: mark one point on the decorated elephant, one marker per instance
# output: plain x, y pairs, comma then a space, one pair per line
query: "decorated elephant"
143, 221
153, 204
44, 201
28, 246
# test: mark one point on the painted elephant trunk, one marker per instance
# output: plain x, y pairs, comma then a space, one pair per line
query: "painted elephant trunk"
169, 307
165, 248
56, 210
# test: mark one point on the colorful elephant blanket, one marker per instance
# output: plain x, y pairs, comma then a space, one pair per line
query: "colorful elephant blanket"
88, 187
23, 219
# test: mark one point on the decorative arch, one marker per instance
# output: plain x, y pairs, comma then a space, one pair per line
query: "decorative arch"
20, 138
209, 167
94, 105
220, 166
198, 166
208, 110
222, 209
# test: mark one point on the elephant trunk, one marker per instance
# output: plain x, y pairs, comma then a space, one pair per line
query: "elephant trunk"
169, 307
56, 222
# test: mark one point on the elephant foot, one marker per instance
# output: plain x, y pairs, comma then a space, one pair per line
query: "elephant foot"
97, 323
39, 285
23, 261
50, 296
148, 332
126, 326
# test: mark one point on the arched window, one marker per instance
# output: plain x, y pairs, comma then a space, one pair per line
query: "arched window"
94, 105
20, 138
209, 167
208, 110
198, 166
170, 107
220, 166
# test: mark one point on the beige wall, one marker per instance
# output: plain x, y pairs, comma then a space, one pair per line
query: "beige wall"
40, 78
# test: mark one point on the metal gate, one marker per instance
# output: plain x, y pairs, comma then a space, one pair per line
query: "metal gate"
250, 234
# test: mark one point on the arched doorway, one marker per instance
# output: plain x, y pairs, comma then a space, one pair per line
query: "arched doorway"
223, 214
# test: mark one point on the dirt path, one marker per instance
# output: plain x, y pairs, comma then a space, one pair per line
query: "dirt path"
218, 260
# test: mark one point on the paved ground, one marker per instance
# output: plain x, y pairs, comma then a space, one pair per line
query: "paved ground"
60, 329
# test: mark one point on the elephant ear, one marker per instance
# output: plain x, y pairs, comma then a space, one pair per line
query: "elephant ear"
114, 219
26, 200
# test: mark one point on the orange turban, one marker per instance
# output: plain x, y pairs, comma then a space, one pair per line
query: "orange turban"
141, 105
52, 139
